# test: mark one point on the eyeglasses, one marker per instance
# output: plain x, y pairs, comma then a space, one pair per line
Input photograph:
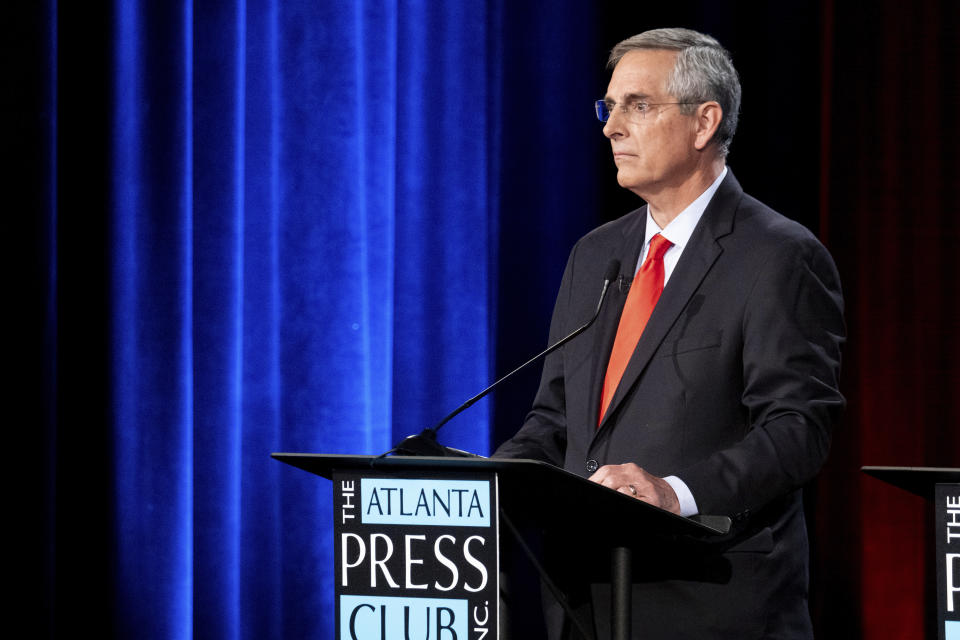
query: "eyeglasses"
632, 110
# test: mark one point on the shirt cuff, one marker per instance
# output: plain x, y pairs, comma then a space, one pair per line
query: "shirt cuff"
688, 506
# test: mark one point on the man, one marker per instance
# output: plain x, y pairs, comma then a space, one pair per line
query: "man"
711, 387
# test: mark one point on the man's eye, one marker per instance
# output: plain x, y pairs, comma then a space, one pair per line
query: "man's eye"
639, 107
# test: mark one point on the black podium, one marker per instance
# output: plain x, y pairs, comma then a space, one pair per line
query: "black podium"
941, 487
525, 492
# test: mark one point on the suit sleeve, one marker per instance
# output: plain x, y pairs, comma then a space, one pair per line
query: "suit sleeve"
792, 332
543, 435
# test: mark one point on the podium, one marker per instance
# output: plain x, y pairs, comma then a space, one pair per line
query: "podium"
423, 508
941, 487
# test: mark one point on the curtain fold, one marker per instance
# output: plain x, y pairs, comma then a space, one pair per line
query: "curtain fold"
151, 318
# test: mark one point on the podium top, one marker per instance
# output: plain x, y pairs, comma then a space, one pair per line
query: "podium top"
917, 480
540, 491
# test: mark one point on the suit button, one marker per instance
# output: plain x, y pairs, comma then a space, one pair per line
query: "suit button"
592, 465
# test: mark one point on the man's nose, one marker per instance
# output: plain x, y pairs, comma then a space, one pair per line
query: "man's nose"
612, 127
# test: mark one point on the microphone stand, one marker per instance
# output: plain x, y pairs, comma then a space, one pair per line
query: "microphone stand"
425, 443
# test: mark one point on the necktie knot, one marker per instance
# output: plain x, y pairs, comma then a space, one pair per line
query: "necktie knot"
658, 247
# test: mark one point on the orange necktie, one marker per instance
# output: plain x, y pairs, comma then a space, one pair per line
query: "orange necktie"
644, 293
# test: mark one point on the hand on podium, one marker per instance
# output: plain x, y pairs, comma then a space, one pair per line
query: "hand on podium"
634, 481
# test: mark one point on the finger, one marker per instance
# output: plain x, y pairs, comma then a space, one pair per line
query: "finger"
613, 482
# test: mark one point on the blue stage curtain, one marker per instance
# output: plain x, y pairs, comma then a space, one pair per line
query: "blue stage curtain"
302, 246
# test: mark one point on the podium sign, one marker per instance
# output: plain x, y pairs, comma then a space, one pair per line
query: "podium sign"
941, 486
416, 555
947, 507
416, 538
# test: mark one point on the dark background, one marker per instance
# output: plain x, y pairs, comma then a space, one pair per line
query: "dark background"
849, 125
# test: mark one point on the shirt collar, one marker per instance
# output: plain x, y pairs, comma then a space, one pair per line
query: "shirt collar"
680, 229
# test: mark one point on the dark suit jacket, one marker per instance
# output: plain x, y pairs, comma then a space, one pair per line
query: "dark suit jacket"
733, 387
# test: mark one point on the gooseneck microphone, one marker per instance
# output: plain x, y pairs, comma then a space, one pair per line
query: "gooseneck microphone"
425, 443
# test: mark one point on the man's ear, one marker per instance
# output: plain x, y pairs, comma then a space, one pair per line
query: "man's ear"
708, 117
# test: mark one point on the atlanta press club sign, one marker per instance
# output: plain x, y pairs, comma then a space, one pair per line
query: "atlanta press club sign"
947, 508
416, 557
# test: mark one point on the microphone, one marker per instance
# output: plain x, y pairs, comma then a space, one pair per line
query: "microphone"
425, 443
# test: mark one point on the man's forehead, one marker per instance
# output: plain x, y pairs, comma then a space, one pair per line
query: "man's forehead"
640, 74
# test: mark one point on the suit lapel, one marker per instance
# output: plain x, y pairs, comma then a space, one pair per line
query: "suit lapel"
697, 259
627, 253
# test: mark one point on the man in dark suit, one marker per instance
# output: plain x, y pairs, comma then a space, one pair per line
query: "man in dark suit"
712, 386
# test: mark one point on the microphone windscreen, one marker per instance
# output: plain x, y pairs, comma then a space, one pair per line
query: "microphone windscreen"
613, 269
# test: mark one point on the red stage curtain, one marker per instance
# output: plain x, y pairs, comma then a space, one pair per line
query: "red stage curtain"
889, 214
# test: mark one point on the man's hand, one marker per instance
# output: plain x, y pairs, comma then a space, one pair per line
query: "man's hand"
632, 480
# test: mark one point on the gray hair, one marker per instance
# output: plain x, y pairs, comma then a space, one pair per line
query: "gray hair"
703, 72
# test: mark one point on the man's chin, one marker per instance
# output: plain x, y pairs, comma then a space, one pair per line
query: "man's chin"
627, 179
632, 183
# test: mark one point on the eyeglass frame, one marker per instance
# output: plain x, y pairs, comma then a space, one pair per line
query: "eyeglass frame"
600, 107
